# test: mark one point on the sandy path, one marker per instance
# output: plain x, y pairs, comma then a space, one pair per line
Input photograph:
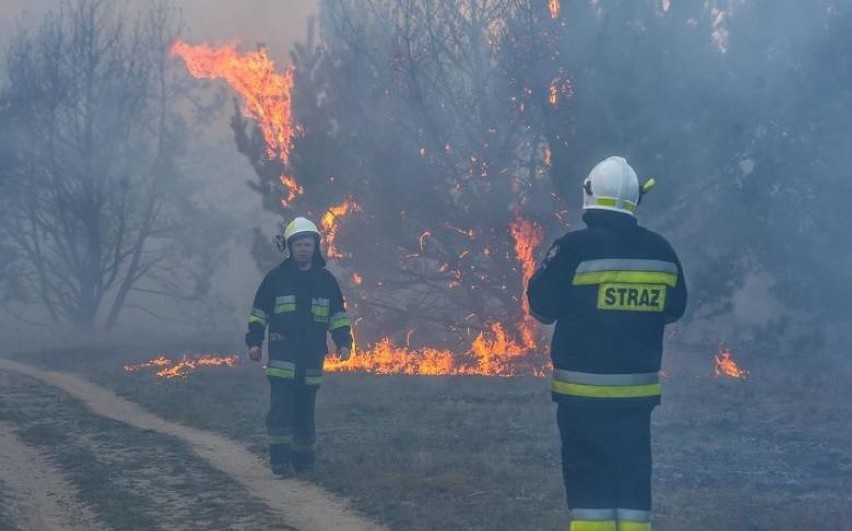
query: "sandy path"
302, 505
41, 497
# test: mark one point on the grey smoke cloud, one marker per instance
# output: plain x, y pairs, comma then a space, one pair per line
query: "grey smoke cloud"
275, 23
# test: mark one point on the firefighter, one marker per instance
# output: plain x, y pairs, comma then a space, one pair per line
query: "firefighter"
300, 302
611, 288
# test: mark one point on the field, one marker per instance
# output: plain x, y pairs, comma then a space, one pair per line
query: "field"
465, 453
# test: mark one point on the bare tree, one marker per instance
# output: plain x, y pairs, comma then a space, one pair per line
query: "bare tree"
95, 207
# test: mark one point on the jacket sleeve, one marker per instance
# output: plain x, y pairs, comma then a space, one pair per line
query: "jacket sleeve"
339, 324
546, 289
260, 313
676, 297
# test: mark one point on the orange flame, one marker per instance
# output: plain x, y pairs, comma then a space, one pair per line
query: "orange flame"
726, 366
553, 92
494, 354
265, 92
555, 7
528, 237
357, 279
330, 224
185, 365
160, 361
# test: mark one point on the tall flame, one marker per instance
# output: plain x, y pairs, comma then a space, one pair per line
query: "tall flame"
555, 7
330, 223
265, 92
726, 366
528, 237
553, 92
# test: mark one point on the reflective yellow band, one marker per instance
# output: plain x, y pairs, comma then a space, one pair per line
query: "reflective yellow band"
630, 206
285, 308
280, 373
258, 320
593, 525
627, 525
627, 277
606, 391
313, 380
626, 264
280, 439
590, 378
320, 310
339, 320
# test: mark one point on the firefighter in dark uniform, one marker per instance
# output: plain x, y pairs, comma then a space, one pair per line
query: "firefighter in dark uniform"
611, 288
300, 302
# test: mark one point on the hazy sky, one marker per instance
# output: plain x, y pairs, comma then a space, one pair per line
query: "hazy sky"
277, 23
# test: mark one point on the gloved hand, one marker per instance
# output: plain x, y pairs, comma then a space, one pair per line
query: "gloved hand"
254, 353
344, 354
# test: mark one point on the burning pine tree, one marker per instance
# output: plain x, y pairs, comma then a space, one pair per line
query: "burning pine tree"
419, 181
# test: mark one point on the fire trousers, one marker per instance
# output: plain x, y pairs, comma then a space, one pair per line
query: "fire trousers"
606, 466
290, 423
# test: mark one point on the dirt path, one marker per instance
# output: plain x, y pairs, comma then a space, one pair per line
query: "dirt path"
302, 505
42, 498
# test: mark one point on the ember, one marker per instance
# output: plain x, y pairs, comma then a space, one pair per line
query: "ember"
726, 366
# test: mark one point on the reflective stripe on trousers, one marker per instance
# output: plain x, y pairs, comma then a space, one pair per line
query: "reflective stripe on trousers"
610, 520
592, 385
593, 520
281, 369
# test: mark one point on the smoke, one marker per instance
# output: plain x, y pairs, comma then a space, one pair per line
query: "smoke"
746, 135
212, 156
278, 24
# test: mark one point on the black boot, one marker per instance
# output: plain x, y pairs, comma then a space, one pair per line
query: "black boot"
279, 460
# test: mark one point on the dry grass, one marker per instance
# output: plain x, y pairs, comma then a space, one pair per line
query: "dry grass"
473, 453
131, 479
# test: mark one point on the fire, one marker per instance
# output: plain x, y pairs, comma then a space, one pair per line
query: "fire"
553, 92
493, 354
183, 366
330, 225
357, 279
426, 234
528, 237
726, 366
266, 93
160, 361
555, 7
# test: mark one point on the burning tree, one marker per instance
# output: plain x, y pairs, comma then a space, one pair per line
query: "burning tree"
409, 146
95, 210
433, 137
443, 162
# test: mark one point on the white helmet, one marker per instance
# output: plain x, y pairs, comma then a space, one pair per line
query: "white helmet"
612, 185
300, 227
